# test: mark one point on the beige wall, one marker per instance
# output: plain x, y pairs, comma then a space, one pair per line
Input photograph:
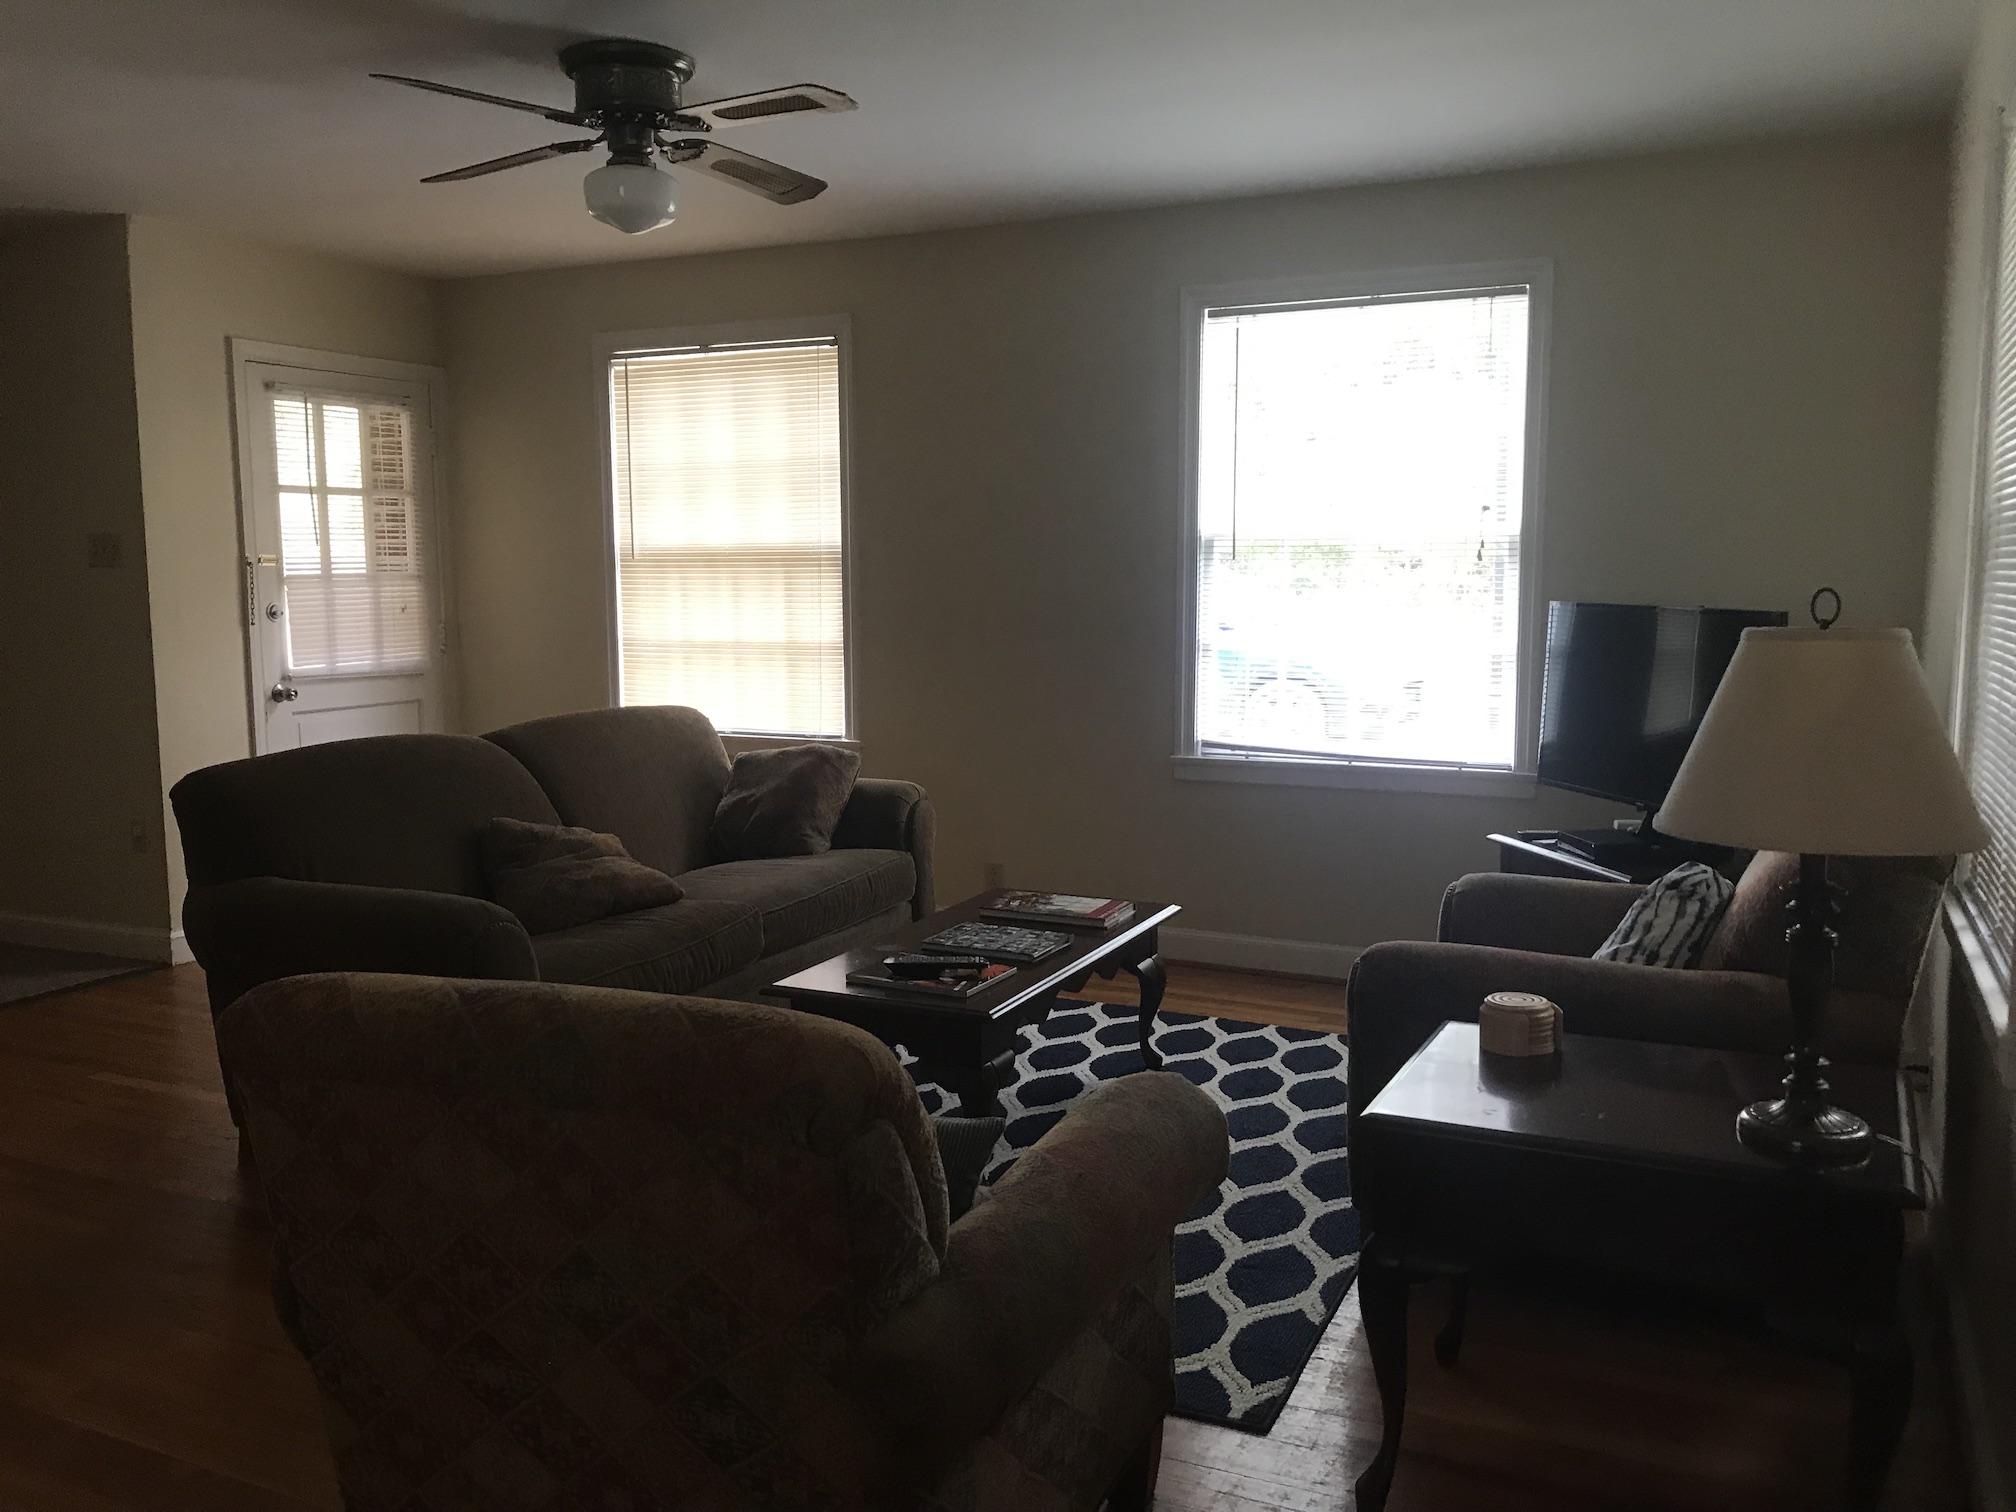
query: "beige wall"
80, 790
192, 291
1745, 353
1974, 1074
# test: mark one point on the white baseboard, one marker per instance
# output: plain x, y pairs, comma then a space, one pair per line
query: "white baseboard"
1210, 947
129, 942
1979, 1424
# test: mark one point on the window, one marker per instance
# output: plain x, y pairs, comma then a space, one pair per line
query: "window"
349, 530
728, 524
1987, 887
1360, 545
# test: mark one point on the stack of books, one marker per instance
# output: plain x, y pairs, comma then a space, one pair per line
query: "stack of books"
1060, 908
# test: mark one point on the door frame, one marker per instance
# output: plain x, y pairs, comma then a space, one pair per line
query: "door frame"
243, 353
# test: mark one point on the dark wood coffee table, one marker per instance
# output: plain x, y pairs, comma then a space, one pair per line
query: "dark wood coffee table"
1628, 1165
969, 1047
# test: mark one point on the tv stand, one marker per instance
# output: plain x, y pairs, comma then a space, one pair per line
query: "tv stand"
1538, 853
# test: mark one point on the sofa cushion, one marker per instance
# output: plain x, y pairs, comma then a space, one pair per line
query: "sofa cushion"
783, 802
680, 947
651, 776
800, 898
554, 876
1888, 904
383, 811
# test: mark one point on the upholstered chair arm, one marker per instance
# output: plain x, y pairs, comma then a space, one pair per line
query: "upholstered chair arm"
1092, 1204
884, 814
1555, 915
259, 929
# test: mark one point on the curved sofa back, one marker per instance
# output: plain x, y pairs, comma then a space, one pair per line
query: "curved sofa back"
386, 811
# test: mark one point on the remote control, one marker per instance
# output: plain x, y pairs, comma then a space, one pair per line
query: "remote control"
922, 966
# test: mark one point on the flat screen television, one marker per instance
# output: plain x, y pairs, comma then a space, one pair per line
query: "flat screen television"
1624, 688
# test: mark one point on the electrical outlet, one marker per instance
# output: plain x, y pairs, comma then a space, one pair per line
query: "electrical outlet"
139, 839
993, 874
103, 548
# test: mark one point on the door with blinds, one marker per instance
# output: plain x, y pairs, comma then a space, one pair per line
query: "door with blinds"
341, 581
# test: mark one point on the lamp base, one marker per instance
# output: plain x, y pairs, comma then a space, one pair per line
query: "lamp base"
1803, 1129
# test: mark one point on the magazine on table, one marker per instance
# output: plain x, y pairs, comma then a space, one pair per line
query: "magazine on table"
998, 942
1061, 908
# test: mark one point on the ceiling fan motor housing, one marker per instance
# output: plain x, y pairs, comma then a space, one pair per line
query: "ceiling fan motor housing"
624, 80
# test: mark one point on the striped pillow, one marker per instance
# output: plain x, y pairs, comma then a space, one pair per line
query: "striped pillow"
1673, 922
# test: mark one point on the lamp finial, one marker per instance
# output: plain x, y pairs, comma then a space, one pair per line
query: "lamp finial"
1824, 621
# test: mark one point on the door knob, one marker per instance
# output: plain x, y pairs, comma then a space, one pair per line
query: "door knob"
285, 692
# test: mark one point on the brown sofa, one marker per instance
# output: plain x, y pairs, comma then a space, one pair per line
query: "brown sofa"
1536, 934
549, 1246
362, 855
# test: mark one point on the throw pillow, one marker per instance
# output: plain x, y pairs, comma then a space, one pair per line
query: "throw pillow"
965, 1148
1671, 923
554, 876
1887, 904
783, 802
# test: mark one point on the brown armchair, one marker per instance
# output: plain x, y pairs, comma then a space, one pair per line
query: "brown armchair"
549, 1245
1502, 932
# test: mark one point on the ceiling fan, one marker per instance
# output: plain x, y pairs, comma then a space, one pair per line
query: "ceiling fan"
629, 93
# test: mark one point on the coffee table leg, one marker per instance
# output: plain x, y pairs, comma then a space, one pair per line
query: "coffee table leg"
1382, 1304
978, 1087
1153, 979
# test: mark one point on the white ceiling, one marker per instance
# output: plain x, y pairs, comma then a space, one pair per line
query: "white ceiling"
257, 115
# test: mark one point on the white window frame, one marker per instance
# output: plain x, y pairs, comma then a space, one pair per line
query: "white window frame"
610, 344
1984, 981
1537, 275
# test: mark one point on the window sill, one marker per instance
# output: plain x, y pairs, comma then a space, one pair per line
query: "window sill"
1989, 998
737, 743
1365, 775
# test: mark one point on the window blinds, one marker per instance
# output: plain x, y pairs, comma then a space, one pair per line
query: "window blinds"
726, 472
350, 547
1988, 746
1360, 501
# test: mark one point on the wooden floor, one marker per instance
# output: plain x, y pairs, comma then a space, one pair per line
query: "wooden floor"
141, 1366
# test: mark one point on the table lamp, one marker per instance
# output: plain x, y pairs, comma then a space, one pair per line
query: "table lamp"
1823, 743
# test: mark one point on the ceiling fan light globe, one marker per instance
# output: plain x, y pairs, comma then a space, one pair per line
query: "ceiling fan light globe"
632, 197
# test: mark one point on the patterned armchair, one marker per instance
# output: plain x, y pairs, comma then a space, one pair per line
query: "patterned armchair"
569, 1249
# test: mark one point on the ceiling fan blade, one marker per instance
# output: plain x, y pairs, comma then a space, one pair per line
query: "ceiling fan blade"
775, 182
516, 159
767, 104
564, 117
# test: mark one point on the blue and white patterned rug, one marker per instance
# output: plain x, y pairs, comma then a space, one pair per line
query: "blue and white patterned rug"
1263, 1262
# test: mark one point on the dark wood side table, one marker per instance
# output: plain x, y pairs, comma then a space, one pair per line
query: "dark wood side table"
1628, 1164
969, 1047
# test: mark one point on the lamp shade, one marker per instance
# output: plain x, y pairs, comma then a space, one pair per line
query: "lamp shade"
1824, 742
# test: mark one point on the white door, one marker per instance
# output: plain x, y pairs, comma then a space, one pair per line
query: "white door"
342, 582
